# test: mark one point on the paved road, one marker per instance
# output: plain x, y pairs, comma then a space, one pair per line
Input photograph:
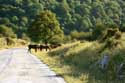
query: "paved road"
19, 66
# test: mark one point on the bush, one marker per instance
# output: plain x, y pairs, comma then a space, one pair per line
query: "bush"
111, 33
9, 41
81, 35
98, 31
6, 32
25, 37
67, 38
56, 39
21, 42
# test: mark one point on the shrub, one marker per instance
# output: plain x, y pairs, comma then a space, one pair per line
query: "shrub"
9, 41
111, 33
67, 38
98, 31
25, 37
81, 35
6, 32
56, 39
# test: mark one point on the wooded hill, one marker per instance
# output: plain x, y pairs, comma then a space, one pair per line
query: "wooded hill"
80, 15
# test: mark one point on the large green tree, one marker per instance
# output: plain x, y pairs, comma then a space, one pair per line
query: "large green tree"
45, 28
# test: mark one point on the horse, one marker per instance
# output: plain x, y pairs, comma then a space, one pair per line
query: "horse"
53, 46
46, 47
35, 47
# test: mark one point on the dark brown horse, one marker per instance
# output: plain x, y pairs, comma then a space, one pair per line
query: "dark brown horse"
35, 47
42, 47
53, 46
46, 47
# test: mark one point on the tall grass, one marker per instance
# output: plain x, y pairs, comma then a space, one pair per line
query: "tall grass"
12, 43
76, 62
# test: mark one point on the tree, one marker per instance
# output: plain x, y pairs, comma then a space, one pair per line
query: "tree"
6, 31
45, 28
4, 21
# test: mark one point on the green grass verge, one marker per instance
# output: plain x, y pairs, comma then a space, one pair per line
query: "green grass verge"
75, 62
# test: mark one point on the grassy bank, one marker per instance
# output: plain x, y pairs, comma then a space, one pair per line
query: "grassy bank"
12, 43
76, 62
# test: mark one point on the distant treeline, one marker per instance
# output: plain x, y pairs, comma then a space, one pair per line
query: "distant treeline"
80, 15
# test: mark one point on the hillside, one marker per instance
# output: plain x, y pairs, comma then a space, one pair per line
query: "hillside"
78, 33
81, 15
77, 62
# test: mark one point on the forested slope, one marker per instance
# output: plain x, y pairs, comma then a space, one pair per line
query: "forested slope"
81, 15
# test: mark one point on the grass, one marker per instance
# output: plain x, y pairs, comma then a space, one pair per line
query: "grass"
75, 62
14, 43
64, 61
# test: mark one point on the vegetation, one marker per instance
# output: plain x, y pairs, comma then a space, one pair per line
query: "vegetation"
81, 35
45, 28
76, 62
11, 43
80, 15
91, 28
6, 32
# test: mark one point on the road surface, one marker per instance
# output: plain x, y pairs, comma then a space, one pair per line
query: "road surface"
17, 65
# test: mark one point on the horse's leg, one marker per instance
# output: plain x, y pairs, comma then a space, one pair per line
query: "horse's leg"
49, 48
29, 49
35, 49
46, 48
40, 48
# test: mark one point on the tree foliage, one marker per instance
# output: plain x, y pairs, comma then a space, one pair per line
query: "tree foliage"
45, 28
6, 32
80, 15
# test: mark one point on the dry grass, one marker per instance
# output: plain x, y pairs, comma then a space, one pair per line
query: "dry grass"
75, 62
69, 60
14, 43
